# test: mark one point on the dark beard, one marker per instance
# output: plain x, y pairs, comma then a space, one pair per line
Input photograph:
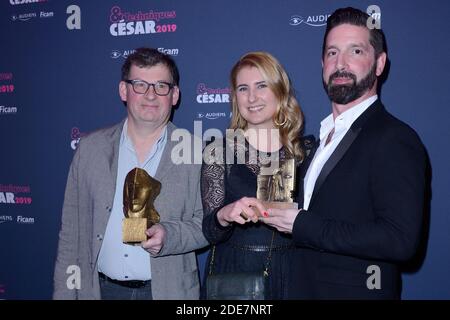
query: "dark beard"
344, 93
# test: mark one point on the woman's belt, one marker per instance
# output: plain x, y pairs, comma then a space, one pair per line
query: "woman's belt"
261, 248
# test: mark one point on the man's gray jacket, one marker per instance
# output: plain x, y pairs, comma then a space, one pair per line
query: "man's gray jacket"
87, 206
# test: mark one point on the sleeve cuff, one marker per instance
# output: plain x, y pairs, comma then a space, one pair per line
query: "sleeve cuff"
218, 225
306, 229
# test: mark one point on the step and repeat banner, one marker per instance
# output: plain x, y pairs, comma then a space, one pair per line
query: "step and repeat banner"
60, 66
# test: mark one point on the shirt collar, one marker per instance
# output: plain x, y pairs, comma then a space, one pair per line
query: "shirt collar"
345, 119
125, 139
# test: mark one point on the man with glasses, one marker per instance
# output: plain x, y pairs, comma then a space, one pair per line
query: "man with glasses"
90, 240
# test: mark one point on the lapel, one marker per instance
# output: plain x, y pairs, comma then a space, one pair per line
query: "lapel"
310, 146
344, 145
113, 157
166, 163
111, 149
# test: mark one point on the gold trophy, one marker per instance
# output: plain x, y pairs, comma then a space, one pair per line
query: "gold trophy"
139, 192
276, 188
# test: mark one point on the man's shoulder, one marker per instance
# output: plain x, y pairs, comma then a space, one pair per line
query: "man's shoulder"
390, 127
393, 122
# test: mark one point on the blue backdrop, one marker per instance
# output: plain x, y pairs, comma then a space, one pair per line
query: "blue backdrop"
59, 72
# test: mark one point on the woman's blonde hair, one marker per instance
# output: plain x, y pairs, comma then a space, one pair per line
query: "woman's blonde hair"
289, 117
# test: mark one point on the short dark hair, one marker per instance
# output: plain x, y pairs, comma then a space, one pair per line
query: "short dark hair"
355, 17
149, 57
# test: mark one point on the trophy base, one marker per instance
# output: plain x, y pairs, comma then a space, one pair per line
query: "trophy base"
133, 230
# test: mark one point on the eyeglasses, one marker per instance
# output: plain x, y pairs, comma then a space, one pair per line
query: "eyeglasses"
161, 88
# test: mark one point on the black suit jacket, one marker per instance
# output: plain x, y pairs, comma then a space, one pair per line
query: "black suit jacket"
366, 212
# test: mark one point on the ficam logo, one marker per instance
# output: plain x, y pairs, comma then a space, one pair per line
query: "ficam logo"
8, 194
212, 95
25, 220
44, 14
7, 110
170, 52
313, 20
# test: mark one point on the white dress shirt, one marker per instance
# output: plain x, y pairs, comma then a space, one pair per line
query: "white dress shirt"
341, 125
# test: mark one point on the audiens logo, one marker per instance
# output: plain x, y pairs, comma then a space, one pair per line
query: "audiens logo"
121, 53
212, 95
23, 16
8, 194
374, 21
313, 21
75, 136
4, 219
211, 115
135, 23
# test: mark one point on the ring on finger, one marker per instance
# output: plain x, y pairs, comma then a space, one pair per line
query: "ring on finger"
243, 215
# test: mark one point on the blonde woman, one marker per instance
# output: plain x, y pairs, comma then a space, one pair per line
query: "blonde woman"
270, 120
